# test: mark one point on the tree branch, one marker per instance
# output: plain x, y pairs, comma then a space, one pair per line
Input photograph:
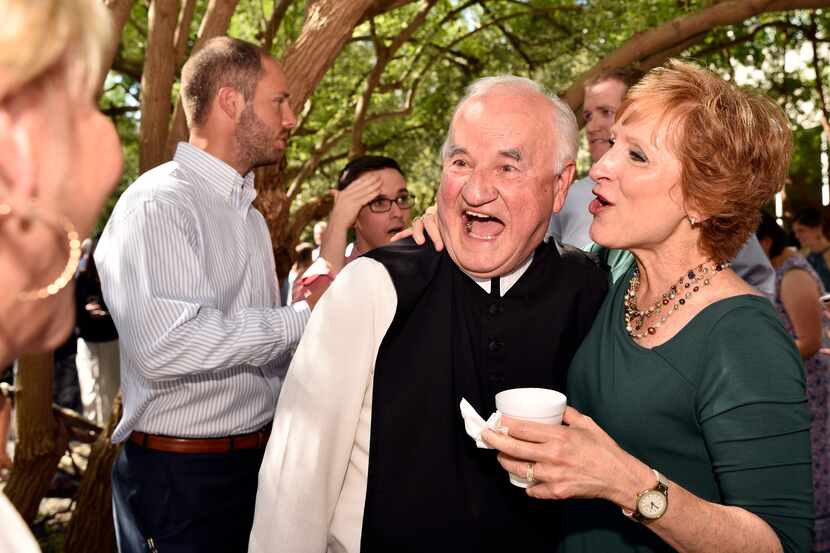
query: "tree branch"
156, 83
183, 30
677, 31
274, 24
130, 68
120, 11
383, 6
825, 115
327, 27
749, 37
514, 42
384, 55
115, 111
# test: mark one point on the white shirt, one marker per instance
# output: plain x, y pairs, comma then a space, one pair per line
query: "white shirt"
187, 270
573, 222
312, 483
15, 536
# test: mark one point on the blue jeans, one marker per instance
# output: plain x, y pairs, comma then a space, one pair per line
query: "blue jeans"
184, 502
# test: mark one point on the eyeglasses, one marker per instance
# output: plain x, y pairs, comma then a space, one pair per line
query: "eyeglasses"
382, 204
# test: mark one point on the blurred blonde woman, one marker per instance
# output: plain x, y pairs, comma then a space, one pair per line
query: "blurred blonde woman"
59, 161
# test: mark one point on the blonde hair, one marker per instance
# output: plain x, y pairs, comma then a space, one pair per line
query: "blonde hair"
734, 147
39, 36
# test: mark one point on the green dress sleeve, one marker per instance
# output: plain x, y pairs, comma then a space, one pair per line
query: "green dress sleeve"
752, 408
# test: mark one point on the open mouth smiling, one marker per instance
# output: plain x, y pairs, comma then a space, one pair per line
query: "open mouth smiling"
482, 226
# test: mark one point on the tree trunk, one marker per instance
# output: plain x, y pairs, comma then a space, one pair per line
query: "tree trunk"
120, 11
41, 443
672, 33
274, 23
92, 520
382, 6
328, 26
157, 82
183, 30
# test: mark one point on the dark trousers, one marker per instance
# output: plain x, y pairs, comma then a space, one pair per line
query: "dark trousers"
184, 502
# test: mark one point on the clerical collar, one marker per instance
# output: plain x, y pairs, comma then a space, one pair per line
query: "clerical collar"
505, 281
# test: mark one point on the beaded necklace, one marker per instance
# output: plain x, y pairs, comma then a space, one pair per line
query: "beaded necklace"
690, 283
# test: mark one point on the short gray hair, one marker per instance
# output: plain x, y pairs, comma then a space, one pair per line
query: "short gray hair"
565, 126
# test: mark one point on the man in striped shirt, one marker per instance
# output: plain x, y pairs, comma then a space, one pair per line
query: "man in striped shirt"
187, 269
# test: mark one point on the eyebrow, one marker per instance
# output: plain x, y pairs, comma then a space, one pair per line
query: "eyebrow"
605, 107
401, 192
456, 150
513, 153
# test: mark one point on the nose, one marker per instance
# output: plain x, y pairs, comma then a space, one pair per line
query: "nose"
478, 190
396, 212
592, 125
602, 169
289, 120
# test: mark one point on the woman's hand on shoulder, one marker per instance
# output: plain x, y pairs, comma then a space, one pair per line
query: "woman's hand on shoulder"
425, 224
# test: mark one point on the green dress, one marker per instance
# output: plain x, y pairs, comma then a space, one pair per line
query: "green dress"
719, 409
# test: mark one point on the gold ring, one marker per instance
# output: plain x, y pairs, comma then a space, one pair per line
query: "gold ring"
529, 474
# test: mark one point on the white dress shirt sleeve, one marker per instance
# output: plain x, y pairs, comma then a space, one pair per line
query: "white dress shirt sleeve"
321, 426
161, 301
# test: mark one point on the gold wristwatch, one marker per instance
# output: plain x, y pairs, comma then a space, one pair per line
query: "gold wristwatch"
652, 503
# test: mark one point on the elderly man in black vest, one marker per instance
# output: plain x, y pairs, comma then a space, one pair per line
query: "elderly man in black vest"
368, 451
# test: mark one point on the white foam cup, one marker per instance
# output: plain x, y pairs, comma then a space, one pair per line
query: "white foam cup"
531, 404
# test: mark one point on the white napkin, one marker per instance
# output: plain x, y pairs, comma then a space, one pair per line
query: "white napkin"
474, 424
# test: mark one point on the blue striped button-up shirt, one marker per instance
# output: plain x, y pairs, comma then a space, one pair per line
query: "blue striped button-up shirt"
187, 270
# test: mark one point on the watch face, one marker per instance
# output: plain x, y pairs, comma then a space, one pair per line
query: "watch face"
652, 504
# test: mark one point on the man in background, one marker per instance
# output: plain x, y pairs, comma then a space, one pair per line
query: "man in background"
97, 356
187, 269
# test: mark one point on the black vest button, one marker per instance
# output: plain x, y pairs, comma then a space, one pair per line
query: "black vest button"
494, 309
494, 345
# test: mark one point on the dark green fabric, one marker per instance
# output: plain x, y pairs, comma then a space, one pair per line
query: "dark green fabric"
720, 409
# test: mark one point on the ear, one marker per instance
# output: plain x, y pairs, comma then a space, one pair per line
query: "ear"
17, 164
230, 102
561, 186
694, 214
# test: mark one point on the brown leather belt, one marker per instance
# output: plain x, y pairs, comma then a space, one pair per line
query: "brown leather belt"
254, 440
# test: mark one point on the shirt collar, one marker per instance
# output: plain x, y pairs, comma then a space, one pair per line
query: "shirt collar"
507, 281
215, 175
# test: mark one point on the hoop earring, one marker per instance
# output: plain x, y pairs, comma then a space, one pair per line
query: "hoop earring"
69, 269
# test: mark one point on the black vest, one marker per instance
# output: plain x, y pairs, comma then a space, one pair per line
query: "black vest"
429, 488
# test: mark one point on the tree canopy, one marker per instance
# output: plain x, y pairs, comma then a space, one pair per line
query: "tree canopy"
387, 83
